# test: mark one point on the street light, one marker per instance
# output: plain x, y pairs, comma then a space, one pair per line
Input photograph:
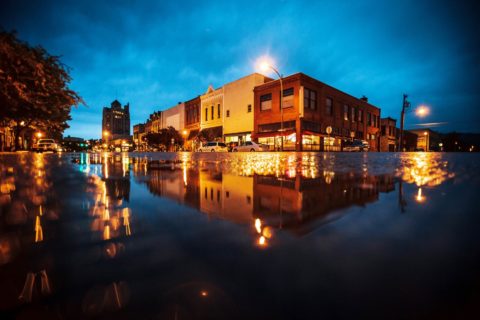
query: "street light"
422, 111
39, 135
264, 66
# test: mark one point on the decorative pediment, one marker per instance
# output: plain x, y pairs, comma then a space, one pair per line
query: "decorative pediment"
210, 89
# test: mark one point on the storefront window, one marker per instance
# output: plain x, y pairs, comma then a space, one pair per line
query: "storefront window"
310, 142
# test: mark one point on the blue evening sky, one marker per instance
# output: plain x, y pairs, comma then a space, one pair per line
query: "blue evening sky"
154, 54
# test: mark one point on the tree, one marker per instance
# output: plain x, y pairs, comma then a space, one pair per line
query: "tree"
165, 137
33, 88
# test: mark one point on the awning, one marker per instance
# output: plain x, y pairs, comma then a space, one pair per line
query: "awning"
193, 134
211, 133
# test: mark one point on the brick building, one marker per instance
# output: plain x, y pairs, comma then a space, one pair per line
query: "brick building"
192, 122
309, 108
388, 135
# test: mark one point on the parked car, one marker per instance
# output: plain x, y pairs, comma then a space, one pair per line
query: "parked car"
356, 145
250, 146
213, 146
45, 145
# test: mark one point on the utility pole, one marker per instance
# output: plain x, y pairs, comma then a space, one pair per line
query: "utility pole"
405, 106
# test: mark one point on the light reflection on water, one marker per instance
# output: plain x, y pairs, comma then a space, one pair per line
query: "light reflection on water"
270, 198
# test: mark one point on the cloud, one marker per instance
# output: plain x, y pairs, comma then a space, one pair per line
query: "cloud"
156, 53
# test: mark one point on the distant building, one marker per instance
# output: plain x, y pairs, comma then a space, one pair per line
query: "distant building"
388, 135
116, 121
427, 139
192, 122
138, 136
174, 117
409, 140
211, 120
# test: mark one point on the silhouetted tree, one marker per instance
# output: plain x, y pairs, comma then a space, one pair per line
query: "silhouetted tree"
33, 88
164, 137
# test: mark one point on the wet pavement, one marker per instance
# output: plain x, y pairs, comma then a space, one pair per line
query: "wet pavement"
237, 236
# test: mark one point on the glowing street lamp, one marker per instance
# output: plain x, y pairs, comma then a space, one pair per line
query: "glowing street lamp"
422, 111
265, 64
39, 135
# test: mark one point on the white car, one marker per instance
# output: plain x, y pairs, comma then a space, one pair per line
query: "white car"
45, 145
250, 146
213, 147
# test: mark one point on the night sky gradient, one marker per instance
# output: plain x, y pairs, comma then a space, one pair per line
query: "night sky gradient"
154, 54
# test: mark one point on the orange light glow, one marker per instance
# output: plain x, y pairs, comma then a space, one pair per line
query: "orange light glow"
258, 225
422, 111
262, 241
420, 197
204, 293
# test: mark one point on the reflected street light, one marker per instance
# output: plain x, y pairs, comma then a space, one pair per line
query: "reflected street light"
264, 66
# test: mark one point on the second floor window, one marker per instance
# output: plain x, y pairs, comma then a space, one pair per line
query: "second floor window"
329, 106
345, 112
266, 102
228, 113
249, 108
310, 99
287, 101
360, 115
353, 114
213, 112
218, 110
206, 114
369, 118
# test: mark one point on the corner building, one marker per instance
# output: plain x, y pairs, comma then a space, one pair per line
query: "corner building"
309, 108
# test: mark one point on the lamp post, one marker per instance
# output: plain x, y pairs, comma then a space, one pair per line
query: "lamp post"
265, 66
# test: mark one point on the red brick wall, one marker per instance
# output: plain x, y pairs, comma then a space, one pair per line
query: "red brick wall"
319, 115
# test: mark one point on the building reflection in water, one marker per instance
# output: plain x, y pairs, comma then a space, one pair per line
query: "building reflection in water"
265, 191
266, 194
110, 188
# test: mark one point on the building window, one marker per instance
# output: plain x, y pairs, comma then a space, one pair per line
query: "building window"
206, 114
345, 112
213, 112
218, 111
310, 99
287, 101
360, 115
266, 102
228, 113
369, 118
353, 114
329, 107
249, 108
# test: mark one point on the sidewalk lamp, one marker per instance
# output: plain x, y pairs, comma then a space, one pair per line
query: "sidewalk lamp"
265, 65
39, 135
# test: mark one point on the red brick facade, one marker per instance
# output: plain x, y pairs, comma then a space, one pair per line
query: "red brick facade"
306, 116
